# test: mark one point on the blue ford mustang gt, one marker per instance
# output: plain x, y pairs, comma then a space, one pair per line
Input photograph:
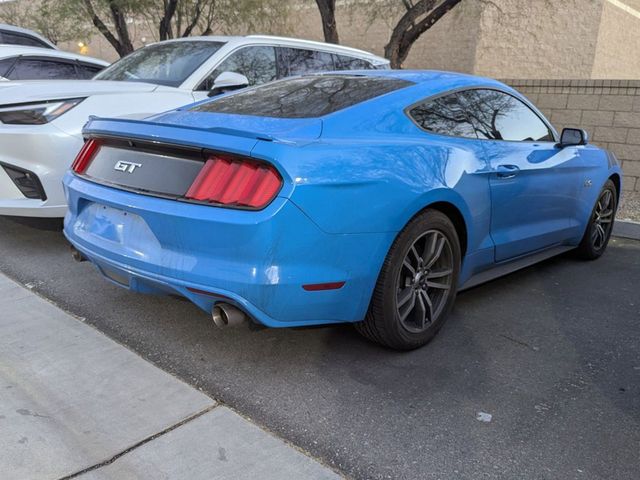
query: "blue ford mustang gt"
367, 197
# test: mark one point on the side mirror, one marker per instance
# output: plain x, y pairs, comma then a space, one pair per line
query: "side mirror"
228, 81
572, 137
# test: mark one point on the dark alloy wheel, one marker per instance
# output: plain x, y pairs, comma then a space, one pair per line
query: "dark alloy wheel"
424, 281
598, 231
417, 285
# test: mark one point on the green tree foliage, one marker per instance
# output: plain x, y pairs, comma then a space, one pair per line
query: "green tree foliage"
57, 20
120, 21
167, 19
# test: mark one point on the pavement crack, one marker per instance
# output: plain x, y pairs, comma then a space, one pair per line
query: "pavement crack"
139, 444
515, 340
24, 411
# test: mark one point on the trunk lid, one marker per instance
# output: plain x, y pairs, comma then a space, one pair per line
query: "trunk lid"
164, 155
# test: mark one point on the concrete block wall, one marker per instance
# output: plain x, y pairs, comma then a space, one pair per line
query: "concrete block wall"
608, 109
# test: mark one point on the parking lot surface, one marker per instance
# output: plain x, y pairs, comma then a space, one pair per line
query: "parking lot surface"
536, 375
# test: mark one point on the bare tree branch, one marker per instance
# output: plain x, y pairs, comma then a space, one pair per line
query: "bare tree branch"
165, 29
418, 18
120, 23
195, 20
121, 44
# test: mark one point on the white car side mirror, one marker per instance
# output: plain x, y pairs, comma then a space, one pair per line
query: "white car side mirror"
227, 81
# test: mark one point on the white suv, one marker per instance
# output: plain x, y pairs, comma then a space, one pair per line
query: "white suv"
41, 121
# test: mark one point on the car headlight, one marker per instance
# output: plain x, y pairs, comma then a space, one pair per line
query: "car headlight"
36, 113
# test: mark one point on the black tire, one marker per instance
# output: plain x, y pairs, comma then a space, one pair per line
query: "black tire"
596, 236
388, 321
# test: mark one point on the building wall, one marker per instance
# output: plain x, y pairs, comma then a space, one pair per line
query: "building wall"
618, 48
545, 39
449, 45
608, 109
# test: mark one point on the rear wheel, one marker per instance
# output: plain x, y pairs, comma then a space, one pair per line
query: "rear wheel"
598, 232
417, 285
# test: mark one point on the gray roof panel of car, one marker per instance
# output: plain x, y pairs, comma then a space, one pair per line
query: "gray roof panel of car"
24, 31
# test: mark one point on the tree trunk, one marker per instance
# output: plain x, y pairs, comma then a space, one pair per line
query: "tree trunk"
121, 43
328, 14
409, 28
165, 30
194, 21
120, 22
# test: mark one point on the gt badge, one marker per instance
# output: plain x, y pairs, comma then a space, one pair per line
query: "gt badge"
128, 167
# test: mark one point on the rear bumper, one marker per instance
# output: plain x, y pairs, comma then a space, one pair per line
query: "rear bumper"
258, 261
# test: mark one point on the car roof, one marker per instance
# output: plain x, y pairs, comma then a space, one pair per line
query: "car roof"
18, 50
289, 42
425, 84
24, 31
438, 80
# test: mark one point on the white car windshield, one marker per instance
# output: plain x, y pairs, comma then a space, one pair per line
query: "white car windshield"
168, 63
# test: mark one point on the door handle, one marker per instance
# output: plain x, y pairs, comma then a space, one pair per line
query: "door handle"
507, 171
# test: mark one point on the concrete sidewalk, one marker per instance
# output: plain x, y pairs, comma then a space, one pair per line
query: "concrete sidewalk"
75, 404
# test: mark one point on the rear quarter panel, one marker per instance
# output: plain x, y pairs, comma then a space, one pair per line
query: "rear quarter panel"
374, 182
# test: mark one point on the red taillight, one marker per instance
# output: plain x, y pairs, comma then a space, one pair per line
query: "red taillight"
235, 182
85, 155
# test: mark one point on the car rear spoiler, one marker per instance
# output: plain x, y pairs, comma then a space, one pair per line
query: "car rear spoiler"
198, 130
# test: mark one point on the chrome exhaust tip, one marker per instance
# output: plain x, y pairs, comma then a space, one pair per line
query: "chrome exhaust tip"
76, 255
225, 315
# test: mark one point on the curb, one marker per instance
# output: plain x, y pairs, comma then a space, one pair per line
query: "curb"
626, 229
109, 413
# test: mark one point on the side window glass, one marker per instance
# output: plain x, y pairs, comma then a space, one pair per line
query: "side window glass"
5, 65
444, 115
295, 61
483, 114
498, 116
342, 62
33, 69
258, 64
86, 72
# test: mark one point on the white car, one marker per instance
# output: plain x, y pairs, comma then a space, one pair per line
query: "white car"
41, 121
34, 63
11, 35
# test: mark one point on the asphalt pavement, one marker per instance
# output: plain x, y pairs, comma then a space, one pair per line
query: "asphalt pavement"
536, 375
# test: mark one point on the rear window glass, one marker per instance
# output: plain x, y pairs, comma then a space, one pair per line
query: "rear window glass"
304, 97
